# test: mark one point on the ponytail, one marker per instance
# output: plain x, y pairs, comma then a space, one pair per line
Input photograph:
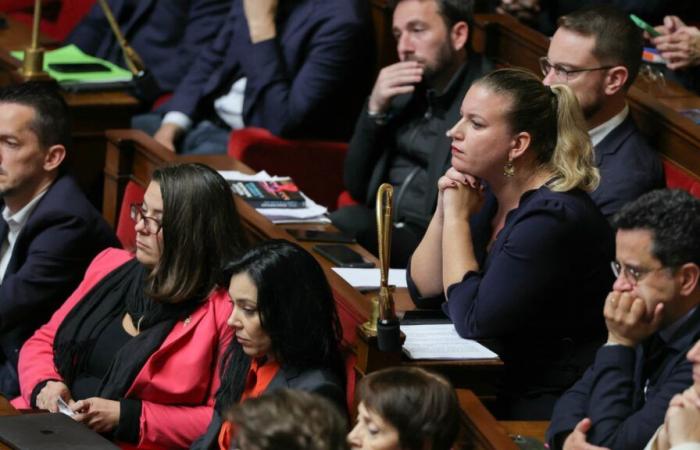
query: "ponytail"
553, 118
572, 159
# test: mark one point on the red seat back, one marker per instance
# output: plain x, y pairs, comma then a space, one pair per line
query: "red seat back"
133, 193
316, 166
679, 178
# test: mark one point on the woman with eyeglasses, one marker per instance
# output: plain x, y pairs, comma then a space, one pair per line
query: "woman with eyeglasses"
286, 333
516, 247
132, 352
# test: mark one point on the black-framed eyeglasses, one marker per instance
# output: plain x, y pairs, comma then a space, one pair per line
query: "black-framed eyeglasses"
562, 73
632, 274
151, 224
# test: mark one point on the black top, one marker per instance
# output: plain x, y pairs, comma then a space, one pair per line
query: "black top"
539, 294
113, 337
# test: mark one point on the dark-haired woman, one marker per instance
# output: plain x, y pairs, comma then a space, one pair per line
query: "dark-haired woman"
528, 264
287, 333
133, 350
405, 408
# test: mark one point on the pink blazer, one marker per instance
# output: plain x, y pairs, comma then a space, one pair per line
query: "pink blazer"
178, 382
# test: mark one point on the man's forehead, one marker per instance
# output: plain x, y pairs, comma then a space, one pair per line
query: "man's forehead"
634, 243
408, 11
568, 45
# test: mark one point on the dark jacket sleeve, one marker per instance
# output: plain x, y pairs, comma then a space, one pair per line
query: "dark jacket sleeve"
606, 394
280, 98
367, 147
495, 302
55, 261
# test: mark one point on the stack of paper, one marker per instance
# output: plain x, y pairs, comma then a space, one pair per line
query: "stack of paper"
441, 342
364, 279
72, 54
311, 213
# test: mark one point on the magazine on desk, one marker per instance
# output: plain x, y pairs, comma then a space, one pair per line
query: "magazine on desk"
282, 193
311, 212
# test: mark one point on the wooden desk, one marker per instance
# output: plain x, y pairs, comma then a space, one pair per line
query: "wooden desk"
133, 156
92, 113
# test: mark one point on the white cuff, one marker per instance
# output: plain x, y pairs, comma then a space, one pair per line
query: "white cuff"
179, 119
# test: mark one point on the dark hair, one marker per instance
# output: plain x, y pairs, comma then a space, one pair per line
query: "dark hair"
451, 11
553, 118
201, 231
297, 311
617, 39
673, 218
51, 122
291, 420
421, 405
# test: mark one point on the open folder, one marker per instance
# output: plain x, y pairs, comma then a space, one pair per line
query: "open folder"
72, 54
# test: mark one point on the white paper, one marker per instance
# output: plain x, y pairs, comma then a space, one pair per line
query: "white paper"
63, 407
311, 213
441, 342
369, 278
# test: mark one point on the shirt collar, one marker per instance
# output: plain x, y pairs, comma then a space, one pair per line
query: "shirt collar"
17, 220
598, 133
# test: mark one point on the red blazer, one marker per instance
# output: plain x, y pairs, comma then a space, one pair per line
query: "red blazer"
178, 382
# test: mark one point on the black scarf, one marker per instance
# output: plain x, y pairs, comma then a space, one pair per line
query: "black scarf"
121, 291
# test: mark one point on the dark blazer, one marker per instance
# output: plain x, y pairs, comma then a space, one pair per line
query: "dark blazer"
167, 34
52, 251
538, 296
373, 146
307, 82
628, 166
611, 393
318, 381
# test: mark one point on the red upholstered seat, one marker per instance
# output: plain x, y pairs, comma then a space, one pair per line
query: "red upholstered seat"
316, 166
133, 193
679, 178
66, 14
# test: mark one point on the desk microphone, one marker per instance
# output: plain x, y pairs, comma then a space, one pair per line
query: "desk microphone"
143, 85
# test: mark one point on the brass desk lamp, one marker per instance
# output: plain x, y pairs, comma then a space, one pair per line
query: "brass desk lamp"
383, 322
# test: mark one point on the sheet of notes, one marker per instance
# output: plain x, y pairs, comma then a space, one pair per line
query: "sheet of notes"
441, 342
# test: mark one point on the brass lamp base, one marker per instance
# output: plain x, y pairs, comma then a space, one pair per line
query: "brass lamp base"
370, 327
33, 66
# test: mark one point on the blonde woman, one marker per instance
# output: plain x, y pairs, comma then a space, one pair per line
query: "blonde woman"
516, 247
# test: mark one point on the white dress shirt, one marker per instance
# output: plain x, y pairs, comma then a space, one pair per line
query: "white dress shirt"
15, 223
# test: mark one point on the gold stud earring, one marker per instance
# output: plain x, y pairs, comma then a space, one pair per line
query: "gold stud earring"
509, 169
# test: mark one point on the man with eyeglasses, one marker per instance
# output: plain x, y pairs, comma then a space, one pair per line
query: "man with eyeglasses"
653, 319
49, 231
597, 52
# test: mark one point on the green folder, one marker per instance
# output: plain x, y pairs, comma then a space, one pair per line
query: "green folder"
72, 54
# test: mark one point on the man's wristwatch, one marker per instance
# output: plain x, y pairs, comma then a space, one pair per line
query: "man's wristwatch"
379, 118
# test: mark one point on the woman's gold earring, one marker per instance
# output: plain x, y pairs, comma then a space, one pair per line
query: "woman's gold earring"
509, 169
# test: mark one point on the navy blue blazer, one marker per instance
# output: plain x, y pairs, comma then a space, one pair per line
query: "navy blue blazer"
611, 393
167, 34
61, 237
309, 81
318, 381
628, 166
539, 295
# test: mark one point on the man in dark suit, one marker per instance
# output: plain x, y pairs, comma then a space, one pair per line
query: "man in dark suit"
653, 319
400, 135
167, 34
295, 67
49, 230
597, 52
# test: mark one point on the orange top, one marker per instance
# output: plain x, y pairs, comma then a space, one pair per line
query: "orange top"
259, 377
